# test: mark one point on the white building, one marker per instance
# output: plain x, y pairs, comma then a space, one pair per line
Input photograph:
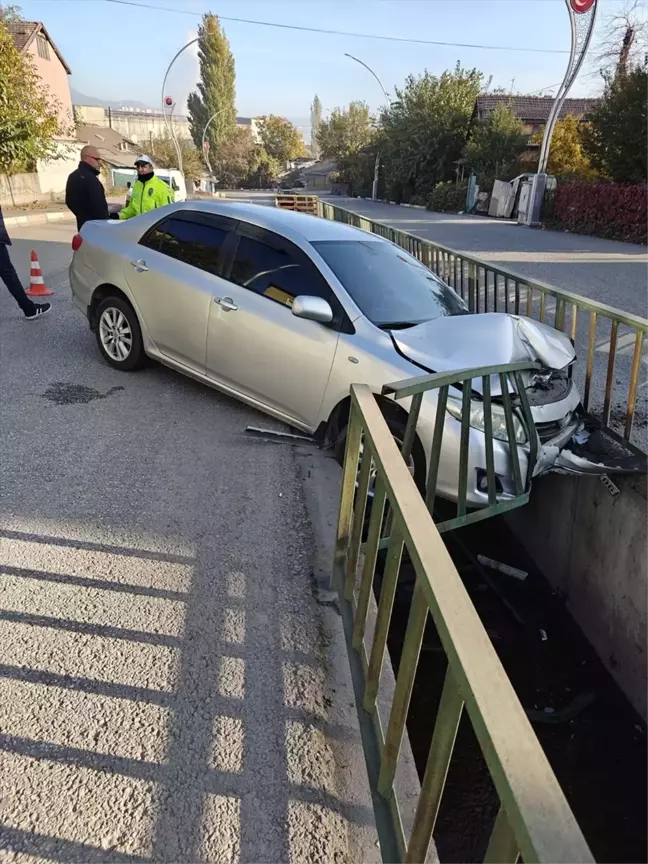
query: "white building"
142, 124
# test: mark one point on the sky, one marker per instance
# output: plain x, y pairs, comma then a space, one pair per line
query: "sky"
121, 52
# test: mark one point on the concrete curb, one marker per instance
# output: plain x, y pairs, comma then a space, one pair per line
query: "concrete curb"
38, 218
384, 201
321, 478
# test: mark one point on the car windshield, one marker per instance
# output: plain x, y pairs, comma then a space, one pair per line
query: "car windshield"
390, 287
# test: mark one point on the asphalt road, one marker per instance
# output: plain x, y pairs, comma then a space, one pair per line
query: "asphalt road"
165, 688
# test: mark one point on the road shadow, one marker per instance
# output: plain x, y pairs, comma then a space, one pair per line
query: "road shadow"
242, 769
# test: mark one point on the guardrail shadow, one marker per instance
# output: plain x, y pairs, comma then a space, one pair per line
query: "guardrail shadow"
200, 735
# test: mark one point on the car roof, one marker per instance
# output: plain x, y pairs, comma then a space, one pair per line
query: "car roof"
286, 222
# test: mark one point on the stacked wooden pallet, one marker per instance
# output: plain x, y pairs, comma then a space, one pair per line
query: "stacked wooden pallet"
301, 203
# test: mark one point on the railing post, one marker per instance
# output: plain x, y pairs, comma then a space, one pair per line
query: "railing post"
436, 770
502, 847
634, 382
383, 617
472, 287
349, 471
403, 690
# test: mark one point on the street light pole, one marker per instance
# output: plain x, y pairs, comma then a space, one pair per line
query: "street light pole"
169, 127
374, 189
202, 145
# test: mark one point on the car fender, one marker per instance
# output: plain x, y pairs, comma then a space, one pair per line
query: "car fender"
363, 358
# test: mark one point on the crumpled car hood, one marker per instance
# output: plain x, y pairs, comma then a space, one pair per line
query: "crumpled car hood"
487, 339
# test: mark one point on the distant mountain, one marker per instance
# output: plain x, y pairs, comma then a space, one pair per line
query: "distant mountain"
81, 99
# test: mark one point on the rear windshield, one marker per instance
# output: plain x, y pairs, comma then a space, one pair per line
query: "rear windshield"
388, 285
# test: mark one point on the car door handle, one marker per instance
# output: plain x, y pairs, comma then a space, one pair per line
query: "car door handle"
226, 303
140, 265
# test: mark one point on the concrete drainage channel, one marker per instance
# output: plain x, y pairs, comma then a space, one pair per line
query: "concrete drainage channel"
594, 740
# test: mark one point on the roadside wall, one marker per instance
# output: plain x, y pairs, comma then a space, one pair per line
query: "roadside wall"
53, 173
19, 189
592, 548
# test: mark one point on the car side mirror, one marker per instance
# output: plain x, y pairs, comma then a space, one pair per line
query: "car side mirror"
312, 308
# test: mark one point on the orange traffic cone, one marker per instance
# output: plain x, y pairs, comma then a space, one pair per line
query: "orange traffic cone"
37, 286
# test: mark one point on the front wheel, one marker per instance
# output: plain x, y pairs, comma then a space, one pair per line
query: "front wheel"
119, 335
397, 428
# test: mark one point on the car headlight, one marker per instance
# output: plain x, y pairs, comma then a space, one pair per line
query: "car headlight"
499, 419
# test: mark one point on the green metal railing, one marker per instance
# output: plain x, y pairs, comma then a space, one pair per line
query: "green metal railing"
515, 406
534, 820
486, 288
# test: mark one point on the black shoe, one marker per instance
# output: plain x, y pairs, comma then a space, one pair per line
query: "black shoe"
40, 310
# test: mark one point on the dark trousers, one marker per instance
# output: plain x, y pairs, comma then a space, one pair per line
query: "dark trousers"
10, 278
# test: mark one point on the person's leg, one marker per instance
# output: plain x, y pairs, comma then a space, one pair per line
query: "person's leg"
10, 278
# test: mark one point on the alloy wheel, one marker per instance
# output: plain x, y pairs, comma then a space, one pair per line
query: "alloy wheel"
373, 473
116, 334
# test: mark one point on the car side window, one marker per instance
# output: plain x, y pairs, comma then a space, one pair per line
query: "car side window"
195, 243
270, 268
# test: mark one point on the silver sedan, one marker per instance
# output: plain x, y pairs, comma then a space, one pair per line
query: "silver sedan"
285, 311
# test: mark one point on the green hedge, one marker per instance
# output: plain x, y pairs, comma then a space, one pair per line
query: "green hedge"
447, 198
614, 210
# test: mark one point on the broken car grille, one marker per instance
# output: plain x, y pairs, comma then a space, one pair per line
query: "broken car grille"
547, 431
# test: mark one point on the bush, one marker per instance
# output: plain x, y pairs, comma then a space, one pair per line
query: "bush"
613, 210
447, 197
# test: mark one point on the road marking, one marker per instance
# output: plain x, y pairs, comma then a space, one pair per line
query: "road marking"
625, 347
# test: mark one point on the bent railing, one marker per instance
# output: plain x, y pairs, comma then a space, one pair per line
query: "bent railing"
487, 288
513, 402
534, 819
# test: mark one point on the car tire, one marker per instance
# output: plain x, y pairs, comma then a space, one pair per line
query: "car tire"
119, 335
397, 428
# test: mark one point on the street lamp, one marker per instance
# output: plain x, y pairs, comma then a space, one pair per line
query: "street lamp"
169, 127
374, 190
202, 145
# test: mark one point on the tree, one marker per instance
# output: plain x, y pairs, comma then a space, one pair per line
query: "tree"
623, 42
216, 89
496, 144
163, 153
348, 137
316, 120
9, 13
280, 139
616, 134
234, 157
346, 132
424, 130
262, 169
567, 156
28, 113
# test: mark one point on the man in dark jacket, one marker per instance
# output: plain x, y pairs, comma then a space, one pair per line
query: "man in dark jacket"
10, 278
84, 194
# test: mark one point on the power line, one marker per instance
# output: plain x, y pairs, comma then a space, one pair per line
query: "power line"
551, 86
344, 32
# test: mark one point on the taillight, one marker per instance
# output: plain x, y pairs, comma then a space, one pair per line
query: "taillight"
77, 240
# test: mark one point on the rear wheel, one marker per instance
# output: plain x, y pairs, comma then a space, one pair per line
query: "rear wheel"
119, 335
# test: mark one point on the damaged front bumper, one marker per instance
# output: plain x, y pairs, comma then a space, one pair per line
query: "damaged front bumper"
570, 441
593, 449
